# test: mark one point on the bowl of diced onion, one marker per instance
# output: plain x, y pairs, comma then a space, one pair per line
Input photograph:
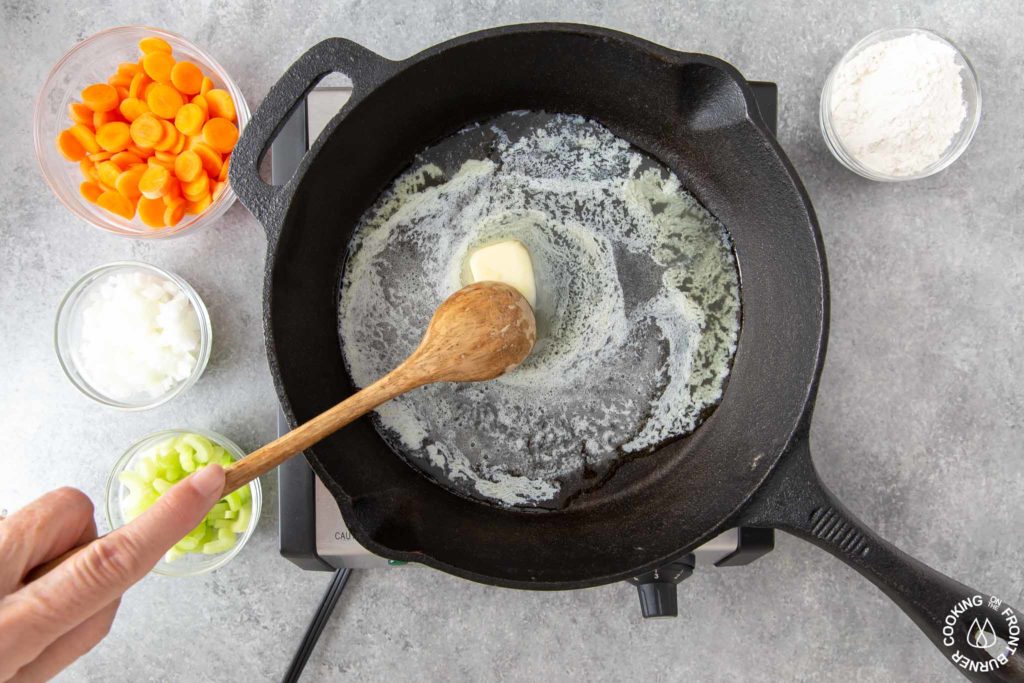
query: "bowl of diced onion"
132, 336
156, 463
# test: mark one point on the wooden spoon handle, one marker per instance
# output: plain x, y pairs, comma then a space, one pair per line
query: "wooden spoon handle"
264, 459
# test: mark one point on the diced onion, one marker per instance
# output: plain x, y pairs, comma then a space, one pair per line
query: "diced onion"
139, 336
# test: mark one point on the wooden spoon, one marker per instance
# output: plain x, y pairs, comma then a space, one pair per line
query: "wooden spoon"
480, 332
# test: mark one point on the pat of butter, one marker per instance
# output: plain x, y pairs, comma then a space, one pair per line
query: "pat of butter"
507, 262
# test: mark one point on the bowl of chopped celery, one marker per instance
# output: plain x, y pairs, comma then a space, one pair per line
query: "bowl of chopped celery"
153, 465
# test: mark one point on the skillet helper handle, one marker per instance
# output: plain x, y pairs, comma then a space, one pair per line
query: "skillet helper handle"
363, 67
959, 620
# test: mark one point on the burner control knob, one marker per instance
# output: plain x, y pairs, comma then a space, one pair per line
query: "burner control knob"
657, 589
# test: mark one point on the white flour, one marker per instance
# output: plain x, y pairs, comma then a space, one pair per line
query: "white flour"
897, 104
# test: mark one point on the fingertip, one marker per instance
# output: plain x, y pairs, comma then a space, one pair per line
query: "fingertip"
209, 481
68, 497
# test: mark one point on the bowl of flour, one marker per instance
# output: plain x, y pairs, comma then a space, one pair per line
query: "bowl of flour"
901, 104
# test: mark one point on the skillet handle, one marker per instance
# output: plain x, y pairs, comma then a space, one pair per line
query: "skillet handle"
956, 618
365, 69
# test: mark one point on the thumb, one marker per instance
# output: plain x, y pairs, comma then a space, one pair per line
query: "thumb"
100, 572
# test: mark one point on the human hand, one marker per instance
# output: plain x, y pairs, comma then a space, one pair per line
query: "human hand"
52, 621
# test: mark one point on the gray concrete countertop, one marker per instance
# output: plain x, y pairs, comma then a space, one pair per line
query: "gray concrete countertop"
918, 423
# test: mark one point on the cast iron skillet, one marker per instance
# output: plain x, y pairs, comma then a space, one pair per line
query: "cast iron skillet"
748, 464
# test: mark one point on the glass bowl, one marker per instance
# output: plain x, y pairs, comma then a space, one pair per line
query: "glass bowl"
68, 328
93, 60
192, 563
971, 93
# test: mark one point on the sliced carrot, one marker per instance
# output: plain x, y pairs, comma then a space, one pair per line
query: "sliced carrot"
153, 161
97, 157
174, 211
85, 136
173, 190
220, 134
195, 189
221, 104
147, 130
102, 118
218, 190
223, 175
70, 146
88, 169
154, 44
154, 182
132, 108
151, 211
158, 65
128, 68
115, 202
170, 138
187, 166
206, 86
121, 79
114, 136
180, 145
164, 100
201, 102
187, 78
122, 91
211, 158
127, 182
138, 84
199, 206
126, 160
100, 97
108, 172
90, 190
138, 151
80, 113
190, 119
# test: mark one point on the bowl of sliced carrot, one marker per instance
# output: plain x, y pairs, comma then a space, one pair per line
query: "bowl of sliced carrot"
134, 129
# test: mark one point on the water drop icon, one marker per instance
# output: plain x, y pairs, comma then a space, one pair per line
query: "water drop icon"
981, 635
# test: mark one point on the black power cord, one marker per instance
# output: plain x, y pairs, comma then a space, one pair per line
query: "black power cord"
316, 626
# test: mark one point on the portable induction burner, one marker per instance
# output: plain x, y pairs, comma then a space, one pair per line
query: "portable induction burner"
312, 531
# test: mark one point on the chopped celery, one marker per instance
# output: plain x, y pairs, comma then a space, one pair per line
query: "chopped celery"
200, 445
234, 499
242, 523
156, 471
187, 544
146, 468
134, 481
225, 541
174, 554
188, 462
221, 456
